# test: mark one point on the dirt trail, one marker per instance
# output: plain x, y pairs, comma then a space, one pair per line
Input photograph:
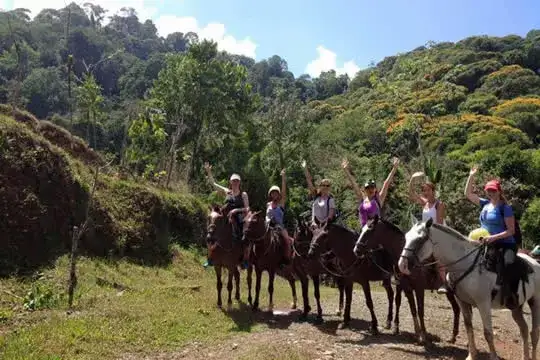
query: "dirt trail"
327, 341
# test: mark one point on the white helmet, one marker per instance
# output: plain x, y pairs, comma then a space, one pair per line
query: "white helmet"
235, 177
274, 188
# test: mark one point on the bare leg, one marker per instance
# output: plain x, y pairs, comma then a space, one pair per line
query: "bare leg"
466, 309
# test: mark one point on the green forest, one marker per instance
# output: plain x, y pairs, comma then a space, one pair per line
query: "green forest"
158, 108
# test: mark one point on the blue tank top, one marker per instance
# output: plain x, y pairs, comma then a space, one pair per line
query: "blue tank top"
275, 213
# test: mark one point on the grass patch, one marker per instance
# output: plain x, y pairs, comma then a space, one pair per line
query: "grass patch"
121, 307
274, 352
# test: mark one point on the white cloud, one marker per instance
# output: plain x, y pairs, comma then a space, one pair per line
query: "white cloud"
147, 9
168, 24
327, 60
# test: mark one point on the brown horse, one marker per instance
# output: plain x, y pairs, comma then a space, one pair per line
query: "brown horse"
314, 268
266, 255
380, 234
340, 241
224, 252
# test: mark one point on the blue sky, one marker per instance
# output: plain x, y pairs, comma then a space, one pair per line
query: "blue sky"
344, 31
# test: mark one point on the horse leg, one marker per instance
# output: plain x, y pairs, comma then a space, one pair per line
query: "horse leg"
219, 284
347, 289
534, 304
237, 283
390, 294
455, 308
466, 309
249, 283
369, 303
517, 315
292, 283
230, 288
304, 283
317, 293
484, 308
420, 302
399, 290
409, 294
341, 287
258, 276
271, 276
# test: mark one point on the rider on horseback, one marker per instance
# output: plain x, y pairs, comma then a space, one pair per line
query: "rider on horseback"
501, 229
275, 210
431, 208
236, 205
323, 209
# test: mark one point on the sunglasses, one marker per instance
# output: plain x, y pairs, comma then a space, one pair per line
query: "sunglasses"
324, 185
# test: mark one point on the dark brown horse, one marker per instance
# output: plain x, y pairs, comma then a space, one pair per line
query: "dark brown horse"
340, 241
266, 254
380, 234
314, 267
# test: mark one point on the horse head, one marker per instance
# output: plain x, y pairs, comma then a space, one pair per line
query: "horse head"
254, 226
369, 230
319, 240
216, 221
379, 233
417, 247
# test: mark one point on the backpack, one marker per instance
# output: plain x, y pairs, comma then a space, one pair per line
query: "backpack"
517, 229
337, 213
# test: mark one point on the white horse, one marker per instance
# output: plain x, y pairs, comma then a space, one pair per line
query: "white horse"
473, 283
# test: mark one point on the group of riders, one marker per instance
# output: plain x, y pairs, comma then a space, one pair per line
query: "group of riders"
496, 215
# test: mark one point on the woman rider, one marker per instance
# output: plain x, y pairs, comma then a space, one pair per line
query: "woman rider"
275, 211
431, 208
324, 207
236, 204
370, 199
497, 218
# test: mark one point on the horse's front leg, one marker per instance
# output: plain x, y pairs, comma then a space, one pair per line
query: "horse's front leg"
219, 284
347, 289
484, 308
534, 304
390, 294
258, 276
369, 303
399, 290
249, 278
317, 293
517, 315
420, 303
341, 286
237, 283
230, 288
292, 284
271, 276
455, 309
466, 309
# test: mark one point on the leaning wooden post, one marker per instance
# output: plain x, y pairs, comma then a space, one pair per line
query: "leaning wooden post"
72, 271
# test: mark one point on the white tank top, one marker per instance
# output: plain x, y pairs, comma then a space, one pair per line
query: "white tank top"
430, 212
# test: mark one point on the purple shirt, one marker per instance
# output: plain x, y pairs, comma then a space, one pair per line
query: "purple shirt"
368, 210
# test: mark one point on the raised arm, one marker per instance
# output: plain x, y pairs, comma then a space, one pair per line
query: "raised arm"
469, 193
245, 210
441, 213
221, 189
388, 181
283, 188
413, 195
357, 190
309, 179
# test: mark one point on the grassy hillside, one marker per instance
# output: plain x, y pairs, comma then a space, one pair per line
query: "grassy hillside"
45, 185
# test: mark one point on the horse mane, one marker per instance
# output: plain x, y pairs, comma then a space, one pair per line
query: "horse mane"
448, 230
343, 227
393, 227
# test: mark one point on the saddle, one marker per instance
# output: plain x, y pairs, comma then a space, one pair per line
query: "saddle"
512, 274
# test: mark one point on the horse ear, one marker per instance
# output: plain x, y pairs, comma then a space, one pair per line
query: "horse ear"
429, 222
414, 220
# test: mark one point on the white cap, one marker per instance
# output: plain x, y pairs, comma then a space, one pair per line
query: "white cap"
235, 177
274, 188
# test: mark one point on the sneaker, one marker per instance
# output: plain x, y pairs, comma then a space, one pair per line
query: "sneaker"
245, 264
442, 290
208, 263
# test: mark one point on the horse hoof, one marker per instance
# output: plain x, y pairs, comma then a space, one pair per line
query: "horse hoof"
319, 320
395, 331
388, 325
343, 325
452, 340
338, 313
293, 306
374, 331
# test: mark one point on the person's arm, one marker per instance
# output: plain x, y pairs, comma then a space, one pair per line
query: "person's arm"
220, 189
357, 190
469, 193
332, 209
313, 213
388, 181
413, 195
283, 188
510, 222
245, 209
309, 179
441, 211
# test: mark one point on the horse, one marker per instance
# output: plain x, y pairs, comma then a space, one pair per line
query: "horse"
266, 255
314, 269
474, 281
340, 241
379, 233
224, 252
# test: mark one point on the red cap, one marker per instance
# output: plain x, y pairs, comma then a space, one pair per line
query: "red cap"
493, 185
